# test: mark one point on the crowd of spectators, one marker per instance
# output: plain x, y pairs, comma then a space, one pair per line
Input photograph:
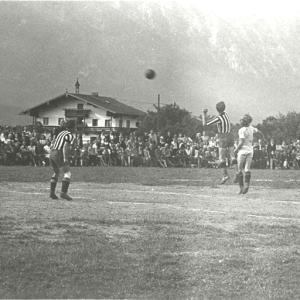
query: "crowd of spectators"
148, 150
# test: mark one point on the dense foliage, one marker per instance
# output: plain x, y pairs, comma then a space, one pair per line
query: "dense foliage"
282, 128
172, 118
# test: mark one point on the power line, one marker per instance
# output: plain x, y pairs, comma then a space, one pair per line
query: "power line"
140, 102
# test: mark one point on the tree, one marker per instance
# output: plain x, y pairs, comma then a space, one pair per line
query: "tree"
282, 128
171, 118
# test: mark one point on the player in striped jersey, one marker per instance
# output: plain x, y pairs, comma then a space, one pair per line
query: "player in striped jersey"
59, 155
226, 141
244, 151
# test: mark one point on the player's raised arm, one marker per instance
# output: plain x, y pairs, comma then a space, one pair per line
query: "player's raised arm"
204, 116
262, 135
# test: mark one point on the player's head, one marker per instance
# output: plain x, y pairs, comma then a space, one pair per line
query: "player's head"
69, 124
245, 120
220, 107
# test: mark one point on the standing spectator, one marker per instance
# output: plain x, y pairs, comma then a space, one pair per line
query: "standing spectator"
33, 153
169, 138
205, 138
26, 132
114, 155
271, 148
92, 150
47, 149
152, 137
107, 155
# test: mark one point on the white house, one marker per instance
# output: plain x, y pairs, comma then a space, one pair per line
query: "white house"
93, 113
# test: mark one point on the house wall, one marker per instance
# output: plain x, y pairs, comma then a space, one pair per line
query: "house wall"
55, 111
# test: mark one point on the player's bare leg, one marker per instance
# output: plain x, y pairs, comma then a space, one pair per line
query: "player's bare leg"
222, 164
240, 178
233, 162
247, 174
239, 175
53, 181
65, 183
53, 184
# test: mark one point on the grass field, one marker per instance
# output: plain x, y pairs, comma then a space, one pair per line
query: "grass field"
149, 233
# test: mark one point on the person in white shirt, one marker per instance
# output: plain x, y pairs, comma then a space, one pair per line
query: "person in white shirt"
244, 151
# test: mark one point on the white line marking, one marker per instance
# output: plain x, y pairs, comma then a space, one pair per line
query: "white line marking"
22, 192
286, 202
207, 211
209, 180
273, 217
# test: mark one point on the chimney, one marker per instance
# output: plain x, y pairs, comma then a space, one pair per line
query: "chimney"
95, 94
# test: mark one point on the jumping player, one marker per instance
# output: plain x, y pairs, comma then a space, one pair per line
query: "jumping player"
59, 155
226, 140
244, 151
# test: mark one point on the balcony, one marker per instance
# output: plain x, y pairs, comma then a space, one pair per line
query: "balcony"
76, 113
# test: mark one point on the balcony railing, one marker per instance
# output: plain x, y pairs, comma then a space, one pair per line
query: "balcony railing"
77, 113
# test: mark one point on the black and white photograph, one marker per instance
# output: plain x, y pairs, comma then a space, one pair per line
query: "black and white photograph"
150, 150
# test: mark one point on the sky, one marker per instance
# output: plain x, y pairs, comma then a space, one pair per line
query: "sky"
242, 53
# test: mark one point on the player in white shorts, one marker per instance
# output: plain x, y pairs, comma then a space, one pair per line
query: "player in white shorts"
244, 152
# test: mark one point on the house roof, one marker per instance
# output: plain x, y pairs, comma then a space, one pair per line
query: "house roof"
107, 103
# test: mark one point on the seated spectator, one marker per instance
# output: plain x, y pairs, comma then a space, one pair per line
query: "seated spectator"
188, 155
161, 162
5, 138
100, 156
161, 142
75, 157
207, 159
26, 154
121, 158
187, 140
166, 155
3, 155
181, 156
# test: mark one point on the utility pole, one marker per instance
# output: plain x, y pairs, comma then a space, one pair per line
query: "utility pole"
158, 110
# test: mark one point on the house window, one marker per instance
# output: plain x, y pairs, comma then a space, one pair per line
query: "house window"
79, 106
107, 123
128, 123
45, 121
95, 122
120, 123
60, 120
